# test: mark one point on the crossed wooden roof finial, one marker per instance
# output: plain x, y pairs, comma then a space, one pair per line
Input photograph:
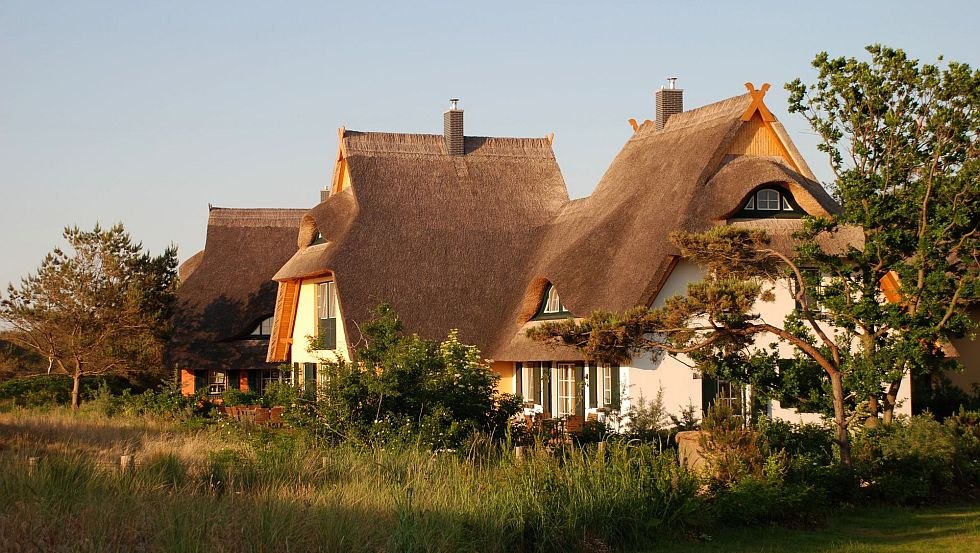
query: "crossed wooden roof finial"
757, 103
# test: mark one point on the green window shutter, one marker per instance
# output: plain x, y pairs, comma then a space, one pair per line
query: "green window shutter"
616, 392
709, 390
328, 333
580, 389
593, 385
253, 380
234, 380
546, 387
309, 375
295, 374
519, 379
536, 377
200, 381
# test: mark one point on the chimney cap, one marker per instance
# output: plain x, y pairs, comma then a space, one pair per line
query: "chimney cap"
671, 83
453, 103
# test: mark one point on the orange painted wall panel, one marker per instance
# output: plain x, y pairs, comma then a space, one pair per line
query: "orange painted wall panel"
186, 382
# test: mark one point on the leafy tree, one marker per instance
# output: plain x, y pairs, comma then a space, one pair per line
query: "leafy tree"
908, 183
399, 383
902, 141
99, 308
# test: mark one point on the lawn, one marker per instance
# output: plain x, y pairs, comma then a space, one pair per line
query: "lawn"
948, 529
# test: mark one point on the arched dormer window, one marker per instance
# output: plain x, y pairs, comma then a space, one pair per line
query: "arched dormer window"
770, 202
263, 329
551, 306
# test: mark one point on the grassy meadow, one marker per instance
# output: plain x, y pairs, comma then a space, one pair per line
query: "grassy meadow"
224, 487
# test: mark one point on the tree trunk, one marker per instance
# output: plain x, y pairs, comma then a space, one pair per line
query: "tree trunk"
75, 387
840, 420
891, 398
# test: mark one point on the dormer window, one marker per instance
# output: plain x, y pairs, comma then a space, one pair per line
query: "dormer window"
552, 303
551, 306
261, 330
770, 202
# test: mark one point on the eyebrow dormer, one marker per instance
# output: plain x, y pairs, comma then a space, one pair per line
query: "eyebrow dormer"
769, 201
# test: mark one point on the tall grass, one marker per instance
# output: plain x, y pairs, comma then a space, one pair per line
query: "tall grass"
233, 490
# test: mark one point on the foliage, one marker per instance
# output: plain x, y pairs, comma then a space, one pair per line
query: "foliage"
99, 308
17, 360
902, 141
55, 389
233, 397
401, 386
917, 459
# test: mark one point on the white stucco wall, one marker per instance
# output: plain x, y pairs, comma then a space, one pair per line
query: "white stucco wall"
674, 375
305, 326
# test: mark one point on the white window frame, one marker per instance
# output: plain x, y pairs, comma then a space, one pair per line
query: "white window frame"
566, 400
217, 382
531, 389
750, 205
765, 201
553, 302
326, 300
605, 376
264, 328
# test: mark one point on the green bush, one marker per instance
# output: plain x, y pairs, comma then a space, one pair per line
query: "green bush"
232, 397
917, 459
401, 387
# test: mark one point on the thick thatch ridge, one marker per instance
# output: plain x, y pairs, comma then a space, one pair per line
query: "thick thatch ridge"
441, 238
226, 289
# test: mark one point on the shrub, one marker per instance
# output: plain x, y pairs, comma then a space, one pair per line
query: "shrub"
908, 461
232, 397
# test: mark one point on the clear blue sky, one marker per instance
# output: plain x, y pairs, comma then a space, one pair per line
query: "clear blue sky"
145, 112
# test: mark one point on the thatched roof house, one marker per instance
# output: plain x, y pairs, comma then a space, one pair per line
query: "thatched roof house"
227, 292
443, 238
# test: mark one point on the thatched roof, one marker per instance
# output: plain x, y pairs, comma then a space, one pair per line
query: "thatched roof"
612, 250
227, 288
443, 239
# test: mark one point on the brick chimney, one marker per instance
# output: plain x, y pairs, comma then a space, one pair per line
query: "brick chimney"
670, 101
452, 125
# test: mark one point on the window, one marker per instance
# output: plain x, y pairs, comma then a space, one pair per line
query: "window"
553, 302
263, 330
566, 389
767, 199
326, 314
605, 371
268, 376
751, 204
531, 382
217, 380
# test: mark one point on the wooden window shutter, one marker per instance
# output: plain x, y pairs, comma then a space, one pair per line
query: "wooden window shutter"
200, 381
254, 378
536, 377
519, 379
309, 377
295, 374
234, 379
580, 389
593, 385
328, 333
546, 387
616, 392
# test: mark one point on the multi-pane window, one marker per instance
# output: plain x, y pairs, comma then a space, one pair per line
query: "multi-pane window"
268, 376
531, 381
815, 287
605, 372
553, 302
566, 389
767, 199
264, 328
217, 380
326, 313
